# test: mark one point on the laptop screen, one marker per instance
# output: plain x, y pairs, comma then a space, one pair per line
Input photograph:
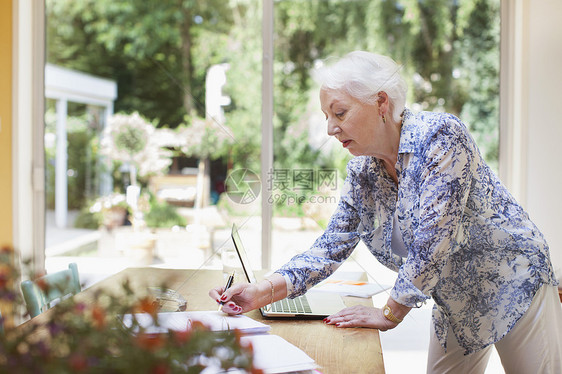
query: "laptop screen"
243, 256
319, 304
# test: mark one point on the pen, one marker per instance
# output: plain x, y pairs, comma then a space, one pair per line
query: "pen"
228, 284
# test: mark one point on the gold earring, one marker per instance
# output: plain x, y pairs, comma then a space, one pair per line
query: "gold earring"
383, 119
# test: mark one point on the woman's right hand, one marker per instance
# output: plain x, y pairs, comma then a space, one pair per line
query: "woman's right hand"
240, 298
244, 297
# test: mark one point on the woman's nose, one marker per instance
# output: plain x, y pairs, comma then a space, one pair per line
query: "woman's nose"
333, 128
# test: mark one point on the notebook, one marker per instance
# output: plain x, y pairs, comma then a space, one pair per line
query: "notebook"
180, 321
314, 305
275, 355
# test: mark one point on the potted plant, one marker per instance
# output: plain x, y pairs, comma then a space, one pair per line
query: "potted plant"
76, 337
132, 140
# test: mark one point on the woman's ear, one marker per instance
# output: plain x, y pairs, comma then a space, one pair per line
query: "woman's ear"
383, 101
382, 97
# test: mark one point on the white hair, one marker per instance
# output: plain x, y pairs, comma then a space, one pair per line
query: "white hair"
363, 75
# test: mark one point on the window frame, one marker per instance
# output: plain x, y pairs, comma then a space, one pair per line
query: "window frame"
28, 122
28, 159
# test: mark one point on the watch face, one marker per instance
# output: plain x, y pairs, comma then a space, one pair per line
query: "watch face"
386, 312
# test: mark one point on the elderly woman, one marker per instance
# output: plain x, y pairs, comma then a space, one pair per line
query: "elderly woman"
425, 203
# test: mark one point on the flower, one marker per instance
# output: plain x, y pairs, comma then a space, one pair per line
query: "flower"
203, 138
112, 210
150, 342
160, 368
6, 249
147, 305
127, 136
5, 274
107, 202
99, 317
131, 139
78, 362
90, 338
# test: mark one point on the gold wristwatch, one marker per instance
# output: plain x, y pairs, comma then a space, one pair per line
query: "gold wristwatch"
387, 312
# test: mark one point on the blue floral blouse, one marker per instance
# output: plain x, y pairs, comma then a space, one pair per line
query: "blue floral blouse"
471, 247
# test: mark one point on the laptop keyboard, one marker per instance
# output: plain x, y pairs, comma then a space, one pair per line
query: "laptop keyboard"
296, 305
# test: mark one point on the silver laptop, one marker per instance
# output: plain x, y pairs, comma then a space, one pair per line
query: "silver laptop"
315, 305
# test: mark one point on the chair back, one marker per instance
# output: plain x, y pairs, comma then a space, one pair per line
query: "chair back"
40, 293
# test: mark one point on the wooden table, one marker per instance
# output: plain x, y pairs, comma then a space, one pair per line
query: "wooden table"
336, 350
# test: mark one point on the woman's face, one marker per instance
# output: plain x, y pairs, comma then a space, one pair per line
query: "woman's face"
358, 126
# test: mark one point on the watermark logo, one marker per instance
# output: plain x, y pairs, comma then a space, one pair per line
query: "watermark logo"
298, 186
302, 180
290, 186
243, 186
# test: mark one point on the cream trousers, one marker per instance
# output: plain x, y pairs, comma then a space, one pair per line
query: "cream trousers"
534, 344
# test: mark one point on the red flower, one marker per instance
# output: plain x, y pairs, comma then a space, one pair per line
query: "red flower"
181, 337
249, 347
3, 280
237, 335
150, 342
42, 284
147, 305
6, 249
198, 325
78, 362
160, 368
98, 315
80, 307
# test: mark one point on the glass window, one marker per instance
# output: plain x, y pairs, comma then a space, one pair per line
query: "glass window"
193, 75
146, 176
448, 52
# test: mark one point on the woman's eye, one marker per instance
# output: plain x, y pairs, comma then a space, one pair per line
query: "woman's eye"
340, 114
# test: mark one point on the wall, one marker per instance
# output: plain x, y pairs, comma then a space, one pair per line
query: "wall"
544, 128
6, 236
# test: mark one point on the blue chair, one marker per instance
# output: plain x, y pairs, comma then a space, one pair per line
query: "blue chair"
40, 293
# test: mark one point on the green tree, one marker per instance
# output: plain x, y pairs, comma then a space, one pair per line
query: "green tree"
243, 116
448, 52
480, 72
157, 50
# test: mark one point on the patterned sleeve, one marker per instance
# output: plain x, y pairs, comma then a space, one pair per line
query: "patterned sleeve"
447, 169
327, 253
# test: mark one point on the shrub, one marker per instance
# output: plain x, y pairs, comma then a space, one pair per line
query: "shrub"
88, 337
163, 215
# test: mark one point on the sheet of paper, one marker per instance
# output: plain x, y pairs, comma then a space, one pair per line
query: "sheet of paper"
348, 284
273, 354
179, 321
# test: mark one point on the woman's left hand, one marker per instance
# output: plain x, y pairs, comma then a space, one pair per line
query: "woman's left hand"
360, 316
